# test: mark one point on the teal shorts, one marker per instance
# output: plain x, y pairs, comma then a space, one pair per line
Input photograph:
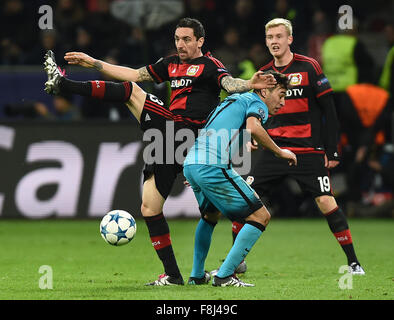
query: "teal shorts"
220, 189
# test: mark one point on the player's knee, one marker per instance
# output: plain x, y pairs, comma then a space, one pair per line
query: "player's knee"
211, 217
261, 216
136, 101
147, 211
266, 217
144, 209
326, 203
138, 95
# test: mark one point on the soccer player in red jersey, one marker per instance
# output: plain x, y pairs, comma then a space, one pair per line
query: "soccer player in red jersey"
196, 80
308, 126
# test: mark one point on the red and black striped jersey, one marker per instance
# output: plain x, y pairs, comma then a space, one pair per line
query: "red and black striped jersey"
298, 124
195, 85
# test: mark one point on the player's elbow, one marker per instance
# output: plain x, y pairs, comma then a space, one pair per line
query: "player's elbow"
130, 75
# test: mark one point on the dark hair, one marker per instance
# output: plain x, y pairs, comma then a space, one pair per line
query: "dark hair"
281, 79
198, 28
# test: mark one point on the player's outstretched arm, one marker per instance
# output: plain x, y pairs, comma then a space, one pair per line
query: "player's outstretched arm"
258, 81
262, 137
111, 70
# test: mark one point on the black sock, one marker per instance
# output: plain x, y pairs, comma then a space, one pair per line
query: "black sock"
159, 233
339, 227
105, 90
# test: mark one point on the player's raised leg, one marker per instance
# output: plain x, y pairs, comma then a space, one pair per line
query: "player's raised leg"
127, 92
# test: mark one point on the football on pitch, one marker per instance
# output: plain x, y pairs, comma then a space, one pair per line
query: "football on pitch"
118, 227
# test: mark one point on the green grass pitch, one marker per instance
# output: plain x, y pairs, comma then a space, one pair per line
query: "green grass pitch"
293, 259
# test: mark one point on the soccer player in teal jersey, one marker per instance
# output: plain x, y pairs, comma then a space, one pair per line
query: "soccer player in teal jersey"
218, 188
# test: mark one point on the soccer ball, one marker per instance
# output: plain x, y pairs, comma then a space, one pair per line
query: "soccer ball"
118, 227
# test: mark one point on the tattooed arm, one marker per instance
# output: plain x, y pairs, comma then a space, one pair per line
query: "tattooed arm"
258, 81
122, 73
111, 70
232, 85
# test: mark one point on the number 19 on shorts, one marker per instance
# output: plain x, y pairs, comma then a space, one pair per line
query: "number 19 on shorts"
324, 183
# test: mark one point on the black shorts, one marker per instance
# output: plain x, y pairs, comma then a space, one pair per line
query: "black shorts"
164, 162
310, 174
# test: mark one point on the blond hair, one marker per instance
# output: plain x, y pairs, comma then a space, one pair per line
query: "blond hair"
280, 22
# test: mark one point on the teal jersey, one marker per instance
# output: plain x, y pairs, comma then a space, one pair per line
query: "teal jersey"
223, 134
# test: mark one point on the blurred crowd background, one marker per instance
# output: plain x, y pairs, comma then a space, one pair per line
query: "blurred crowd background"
358, 62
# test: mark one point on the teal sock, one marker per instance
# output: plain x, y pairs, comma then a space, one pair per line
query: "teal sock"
202, 243
244, 242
